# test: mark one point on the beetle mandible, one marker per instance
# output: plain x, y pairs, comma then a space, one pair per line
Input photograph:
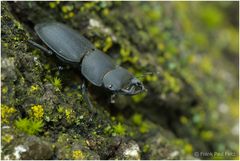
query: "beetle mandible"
96, 67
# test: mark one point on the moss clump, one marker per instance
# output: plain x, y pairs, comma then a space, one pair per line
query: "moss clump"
188, 149
146, 148
4, 90
56, 83
207, 135
138, 98
143, 126
70, 115
137, 118
29, 126
183, 120
119, 129
53, 4
108, 44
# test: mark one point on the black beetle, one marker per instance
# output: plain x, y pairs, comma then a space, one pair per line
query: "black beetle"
98, 68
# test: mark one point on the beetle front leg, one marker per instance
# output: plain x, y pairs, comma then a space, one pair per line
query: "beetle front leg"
40, 47
112, 99
85, 96
86, 99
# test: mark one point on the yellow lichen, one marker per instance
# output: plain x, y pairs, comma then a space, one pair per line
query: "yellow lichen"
207, 135
77, 155
151, 78
66, 9
125, 52
161, 46
71, 14
7, 138
52, 4
6, 112
188, 148
34, 88
88, 5
69, 114
4, 90
97, 44
105, 12
206, 65
172, 82
37, 111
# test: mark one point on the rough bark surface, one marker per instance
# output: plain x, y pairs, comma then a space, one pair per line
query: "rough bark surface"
192, 101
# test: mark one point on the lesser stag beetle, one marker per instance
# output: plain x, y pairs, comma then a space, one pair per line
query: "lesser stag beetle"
98, 68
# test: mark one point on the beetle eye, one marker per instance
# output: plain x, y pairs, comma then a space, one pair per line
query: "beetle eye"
110, 86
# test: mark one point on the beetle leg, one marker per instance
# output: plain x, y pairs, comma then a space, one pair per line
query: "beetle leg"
86, 99
85, 96
113, 98
40, 47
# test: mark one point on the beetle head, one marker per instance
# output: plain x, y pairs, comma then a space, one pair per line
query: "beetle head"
132, 87
121, 81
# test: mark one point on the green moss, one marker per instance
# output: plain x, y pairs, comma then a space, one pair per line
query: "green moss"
211, 16
207, 135
56, 82
188, 149
184, 120
172, 84
119, 129
108, 44
137, 119
151, 78
107, 130
67, 8
146, 148
144, 127
29, 126
138, 98
53, 4
4, 90
206, 65
125, 52
70, 115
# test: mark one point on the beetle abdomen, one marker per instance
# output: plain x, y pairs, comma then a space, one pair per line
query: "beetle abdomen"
64, 41
95, 65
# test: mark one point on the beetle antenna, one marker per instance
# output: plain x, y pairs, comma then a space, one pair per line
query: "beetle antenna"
148, 73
